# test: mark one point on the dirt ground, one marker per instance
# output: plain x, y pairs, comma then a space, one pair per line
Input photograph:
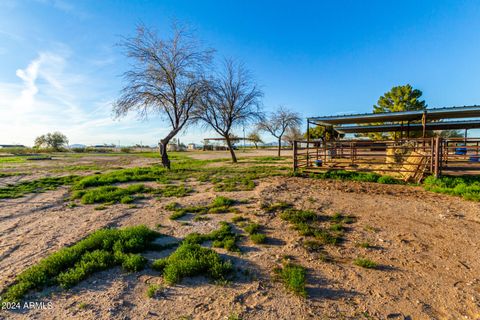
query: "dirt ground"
426, 245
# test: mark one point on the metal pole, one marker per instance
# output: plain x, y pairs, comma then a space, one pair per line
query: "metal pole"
436, 171
294, 156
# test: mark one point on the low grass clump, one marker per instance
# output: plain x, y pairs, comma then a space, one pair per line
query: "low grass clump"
101, 250
172, 191
355, 176
294, 278
239, 218
275, 207
364, 245
467, 187
365, 263
109, 194
252, 228
223, 237
313, 245
10, 174
258, 238
35, 186
340, 218
306, 223
125, 175
255, 232
218, 205
12, 159
153, 290
190, 260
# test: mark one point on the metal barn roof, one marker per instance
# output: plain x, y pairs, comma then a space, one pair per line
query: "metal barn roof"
406, 116
447, 125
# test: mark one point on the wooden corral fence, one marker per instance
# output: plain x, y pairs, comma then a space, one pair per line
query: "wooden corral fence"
408, 159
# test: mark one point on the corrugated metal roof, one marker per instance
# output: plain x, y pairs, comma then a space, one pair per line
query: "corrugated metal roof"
447, 125
432, 114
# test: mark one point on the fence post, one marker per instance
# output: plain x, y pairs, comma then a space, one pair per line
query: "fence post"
436, 170
294, 156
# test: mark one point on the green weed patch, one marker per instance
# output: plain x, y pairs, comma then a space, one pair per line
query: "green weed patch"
294, 278
190, 260
219, 205
101, 250
109, 194
35, 186
355, 176
307, 224
223, 237
365, 263
467, 187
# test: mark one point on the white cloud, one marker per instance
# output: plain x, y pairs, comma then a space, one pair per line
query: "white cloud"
49, 96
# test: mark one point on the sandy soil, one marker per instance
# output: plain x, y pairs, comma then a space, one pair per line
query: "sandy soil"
427, 246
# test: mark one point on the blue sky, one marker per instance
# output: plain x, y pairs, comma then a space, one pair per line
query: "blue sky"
60, 68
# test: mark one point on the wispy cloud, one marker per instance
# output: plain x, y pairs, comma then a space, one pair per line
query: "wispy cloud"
69, 7
49, 96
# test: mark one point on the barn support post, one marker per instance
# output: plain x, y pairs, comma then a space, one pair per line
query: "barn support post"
436, 169
308, 141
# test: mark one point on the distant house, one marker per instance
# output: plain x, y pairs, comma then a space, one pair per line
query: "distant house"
12, 146
192, 146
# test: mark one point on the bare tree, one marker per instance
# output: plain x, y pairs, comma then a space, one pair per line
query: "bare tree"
291, 134
233, 100
166, 78
278, 122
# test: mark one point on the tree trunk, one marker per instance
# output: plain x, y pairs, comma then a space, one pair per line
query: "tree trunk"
279, 146
256, 145
163, 153
163, 146
230, 147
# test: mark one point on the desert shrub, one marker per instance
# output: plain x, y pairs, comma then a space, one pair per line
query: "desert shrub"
192, 260
365, 263
294, 278
68, 266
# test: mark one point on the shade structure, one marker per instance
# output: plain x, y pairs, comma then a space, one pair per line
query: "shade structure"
446, 125
405, 116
